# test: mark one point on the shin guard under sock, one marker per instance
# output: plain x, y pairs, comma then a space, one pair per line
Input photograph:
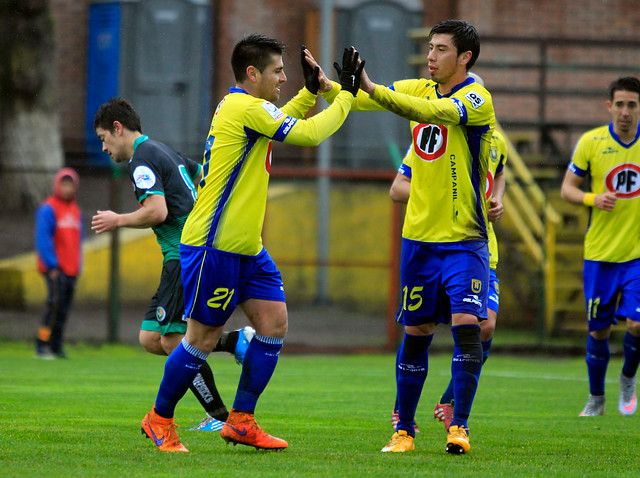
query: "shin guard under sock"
465, 370
631, 355
412, 366
179, 371
598, 355
259, 364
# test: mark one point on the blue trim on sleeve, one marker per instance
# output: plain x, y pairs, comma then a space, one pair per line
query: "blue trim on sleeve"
284, 128
405, 169
462, 110
45, 229
576, 170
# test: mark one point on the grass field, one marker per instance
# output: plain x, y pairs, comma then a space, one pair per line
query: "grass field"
81, 417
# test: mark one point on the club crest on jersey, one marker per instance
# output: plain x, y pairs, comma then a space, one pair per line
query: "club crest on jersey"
625, 179
476, 285
143, 177
430, 141
273, 111
161, 314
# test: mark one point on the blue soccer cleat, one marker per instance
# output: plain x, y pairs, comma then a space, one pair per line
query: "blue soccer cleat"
209, 424
244, 337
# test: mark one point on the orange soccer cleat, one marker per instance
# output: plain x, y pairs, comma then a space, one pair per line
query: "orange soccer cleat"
162, 431
242, 428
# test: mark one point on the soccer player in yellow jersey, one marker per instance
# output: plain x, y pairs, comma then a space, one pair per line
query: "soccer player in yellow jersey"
445, 259
610, 155
223, 261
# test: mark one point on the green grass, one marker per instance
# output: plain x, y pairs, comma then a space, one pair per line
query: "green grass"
81, 417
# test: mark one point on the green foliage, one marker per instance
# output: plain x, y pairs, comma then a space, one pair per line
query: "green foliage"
81, 416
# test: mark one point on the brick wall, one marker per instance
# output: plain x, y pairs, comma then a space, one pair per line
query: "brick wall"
286, 20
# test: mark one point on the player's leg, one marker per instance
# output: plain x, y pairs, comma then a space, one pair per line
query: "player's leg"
236, 342
269, 318
630, 308
601, 291
420, 279
180, 370
202, 270
263, 302
162, 330
628, 398
203, 388
43, 349
66, 289
466, 278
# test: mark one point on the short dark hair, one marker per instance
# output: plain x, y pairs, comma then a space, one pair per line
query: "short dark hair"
254, 50
464, 35
624, 83
117, 109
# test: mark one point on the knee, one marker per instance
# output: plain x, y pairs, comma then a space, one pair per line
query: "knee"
487, 329
633, 327
150, 341
277, 327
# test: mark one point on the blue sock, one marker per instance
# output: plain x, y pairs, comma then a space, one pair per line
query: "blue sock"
412, 366
259, 364
631, 355
179, 371
597, 361
486, 346
465, 370
447, 396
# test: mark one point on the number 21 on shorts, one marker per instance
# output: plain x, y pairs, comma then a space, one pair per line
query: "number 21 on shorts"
221, 298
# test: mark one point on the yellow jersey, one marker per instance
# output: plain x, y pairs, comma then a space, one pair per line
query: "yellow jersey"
229, 210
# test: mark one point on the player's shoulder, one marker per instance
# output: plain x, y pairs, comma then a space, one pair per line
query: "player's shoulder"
499, 138
599, 133
474, 93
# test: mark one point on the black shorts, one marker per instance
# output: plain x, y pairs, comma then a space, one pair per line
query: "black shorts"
166, 309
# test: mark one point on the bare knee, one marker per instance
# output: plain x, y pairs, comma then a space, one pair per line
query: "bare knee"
488, 327
151, 342
633, 327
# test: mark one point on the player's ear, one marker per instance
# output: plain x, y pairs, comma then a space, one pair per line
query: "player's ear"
252, 73
465, 57
117, 128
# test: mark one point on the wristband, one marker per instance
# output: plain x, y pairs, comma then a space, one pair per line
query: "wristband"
589, 199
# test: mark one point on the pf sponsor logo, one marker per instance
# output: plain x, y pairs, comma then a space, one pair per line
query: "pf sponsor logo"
430, 141
489, 186
625, 179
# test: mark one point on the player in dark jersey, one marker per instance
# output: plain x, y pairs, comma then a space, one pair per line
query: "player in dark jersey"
163, 183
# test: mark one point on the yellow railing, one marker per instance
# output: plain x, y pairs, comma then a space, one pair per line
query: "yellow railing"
535, 220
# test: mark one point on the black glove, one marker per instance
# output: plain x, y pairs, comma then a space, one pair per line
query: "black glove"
311, 81
350, 71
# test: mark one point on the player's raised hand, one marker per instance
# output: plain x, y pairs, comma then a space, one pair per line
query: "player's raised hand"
311, 72
325, 82
350, 71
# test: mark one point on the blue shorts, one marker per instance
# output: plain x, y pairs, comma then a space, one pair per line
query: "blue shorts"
611, 291
215, 282
438, 280
494, 291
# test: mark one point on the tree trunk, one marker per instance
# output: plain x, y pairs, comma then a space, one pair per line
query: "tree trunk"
30, 143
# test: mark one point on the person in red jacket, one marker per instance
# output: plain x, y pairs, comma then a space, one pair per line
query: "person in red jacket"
58, 245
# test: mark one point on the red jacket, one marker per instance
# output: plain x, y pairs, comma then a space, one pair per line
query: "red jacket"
59, 231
